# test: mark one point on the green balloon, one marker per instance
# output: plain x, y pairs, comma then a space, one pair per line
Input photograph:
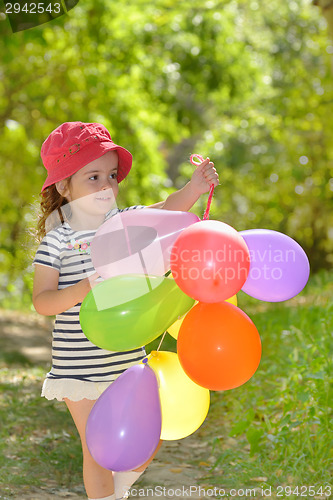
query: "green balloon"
129, 311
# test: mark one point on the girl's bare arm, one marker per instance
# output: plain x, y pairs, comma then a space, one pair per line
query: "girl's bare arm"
184, 199
46, 297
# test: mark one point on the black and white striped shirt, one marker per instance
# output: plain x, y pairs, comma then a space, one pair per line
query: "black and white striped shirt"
73, 355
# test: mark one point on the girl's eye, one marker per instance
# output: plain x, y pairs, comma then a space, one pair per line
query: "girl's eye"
95, 177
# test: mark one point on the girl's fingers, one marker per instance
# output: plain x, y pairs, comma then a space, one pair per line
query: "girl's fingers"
204, 164
210, 171
212, 178
207, 166
210, 174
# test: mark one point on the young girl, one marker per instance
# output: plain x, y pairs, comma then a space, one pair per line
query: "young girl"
84, 169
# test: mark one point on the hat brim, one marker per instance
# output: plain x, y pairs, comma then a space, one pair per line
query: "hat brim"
88, 154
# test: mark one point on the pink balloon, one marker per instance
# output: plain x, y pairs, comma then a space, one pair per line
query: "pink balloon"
138, 241
124, 426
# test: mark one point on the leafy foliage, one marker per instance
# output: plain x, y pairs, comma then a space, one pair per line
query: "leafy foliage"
247, 84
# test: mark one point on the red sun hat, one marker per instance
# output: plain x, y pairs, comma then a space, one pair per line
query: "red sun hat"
73, 145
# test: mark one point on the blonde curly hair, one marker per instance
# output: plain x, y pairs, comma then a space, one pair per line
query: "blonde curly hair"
51, 213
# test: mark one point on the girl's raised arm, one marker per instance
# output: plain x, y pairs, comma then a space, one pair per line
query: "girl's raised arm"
184, 199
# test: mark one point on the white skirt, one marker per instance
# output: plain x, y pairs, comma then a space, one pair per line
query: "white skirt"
73, 389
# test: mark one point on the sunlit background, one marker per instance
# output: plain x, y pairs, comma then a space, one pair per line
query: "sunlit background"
247, 83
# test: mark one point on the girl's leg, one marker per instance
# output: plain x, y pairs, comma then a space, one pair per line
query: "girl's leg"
145, 465
98, 481
124, 480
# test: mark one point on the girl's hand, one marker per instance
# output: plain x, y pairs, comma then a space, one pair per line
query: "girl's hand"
49, 300
92, 280
94, 277
204, 176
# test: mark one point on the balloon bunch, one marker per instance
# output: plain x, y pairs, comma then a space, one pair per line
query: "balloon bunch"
135, 304
218, 345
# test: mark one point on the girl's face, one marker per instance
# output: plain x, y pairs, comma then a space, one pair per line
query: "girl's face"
94, 188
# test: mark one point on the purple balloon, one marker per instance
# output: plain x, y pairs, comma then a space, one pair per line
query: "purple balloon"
279, 267
124, 425
138, 241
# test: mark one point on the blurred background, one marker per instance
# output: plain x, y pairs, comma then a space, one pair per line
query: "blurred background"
247, 83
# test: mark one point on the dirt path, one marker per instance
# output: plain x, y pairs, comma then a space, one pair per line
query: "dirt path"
169, 476
178, 466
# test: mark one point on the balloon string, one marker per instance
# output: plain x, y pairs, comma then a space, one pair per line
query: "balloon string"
209, 202
161, 341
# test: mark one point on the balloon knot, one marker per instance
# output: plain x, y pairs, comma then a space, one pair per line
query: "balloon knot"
145, 361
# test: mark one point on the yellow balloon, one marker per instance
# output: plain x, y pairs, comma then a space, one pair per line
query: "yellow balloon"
175, 327
232, 300
184, 403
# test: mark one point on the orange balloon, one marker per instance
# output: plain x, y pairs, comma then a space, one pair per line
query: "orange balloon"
173, 330
218, 346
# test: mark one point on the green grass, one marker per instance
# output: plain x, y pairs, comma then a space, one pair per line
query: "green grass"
274, 430
39, 445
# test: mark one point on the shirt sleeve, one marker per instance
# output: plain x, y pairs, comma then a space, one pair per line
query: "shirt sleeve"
48, 252
134, 207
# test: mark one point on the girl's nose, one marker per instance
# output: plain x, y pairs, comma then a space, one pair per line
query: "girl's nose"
106, 185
